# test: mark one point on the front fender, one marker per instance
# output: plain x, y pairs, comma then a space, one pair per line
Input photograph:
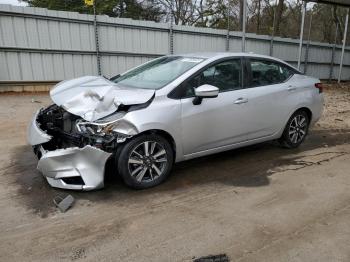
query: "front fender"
163, 114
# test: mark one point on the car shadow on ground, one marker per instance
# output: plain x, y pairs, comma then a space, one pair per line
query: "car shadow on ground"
244, 167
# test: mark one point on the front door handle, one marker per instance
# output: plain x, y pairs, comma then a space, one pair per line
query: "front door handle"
241, 100
291, 88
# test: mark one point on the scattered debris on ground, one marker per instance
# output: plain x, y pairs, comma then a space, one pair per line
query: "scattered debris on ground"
35, 101
65, 203
213, 258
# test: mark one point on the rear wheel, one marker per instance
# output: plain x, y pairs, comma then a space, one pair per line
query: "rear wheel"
145, 161
295, 130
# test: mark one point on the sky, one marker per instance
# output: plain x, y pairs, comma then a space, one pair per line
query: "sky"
12, 2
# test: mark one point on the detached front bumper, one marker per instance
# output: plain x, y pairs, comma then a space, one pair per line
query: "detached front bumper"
70, 168
74, 168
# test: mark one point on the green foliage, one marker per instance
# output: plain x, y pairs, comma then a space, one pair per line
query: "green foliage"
65, 5
115, 8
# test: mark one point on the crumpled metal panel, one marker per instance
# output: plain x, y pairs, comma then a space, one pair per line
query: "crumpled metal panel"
87, 162
35, 135
93, 97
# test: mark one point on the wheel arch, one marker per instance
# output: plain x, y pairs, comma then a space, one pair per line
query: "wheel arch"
286, 141
305, 109
301, 108
163, 134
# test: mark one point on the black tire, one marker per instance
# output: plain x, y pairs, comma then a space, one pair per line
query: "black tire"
134, 151
293, 140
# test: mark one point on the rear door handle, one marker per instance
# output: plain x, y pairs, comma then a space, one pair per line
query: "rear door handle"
241, 100
291, 88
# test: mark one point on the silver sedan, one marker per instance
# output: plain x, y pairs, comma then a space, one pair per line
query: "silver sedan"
168, 110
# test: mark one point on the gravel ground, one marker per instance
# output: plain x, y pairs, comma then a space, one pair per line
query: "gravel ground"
260, 203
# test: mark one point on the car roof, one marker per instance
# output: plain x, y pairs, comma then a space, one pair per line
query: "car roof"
219, 55
225, 54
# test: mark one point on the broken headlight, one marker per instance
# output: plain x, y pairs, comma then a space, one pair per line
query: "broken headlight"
91, 129
119, 128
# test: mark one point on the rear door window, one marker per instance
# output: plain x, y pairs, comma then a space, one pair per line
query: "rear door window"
265, 72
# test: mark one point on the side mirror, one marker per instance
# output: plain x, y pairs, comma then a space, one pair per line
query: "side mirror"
205, 91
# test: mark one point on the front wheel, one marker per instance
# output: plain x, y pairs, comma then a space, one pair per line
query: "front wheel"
295, 130
145, 161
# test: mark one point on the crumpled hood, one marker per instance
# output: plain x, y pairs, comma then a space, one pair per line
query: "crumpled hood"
94, 97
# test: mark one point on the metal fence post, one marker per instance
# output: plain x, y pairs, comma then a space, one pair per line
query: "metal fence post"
301, 34
171, 39
273, 29
96, 41
306, 60
343, 48
228, 29
244, 23
171, 29
333, 54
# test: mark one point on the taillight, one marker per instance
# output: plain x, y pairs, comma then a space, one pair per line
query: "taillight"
319, 87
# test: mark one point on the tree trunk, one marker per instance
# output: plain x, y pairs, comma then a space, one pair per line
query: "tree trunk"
337, 22
241, 2
121, 8
279, 13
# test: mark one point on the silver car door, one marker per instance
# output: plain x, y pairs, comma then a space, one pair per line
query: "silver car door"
269, 98
216, 121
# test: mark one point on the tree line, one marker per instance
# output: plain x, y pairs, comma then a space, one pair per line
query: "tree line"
279, 17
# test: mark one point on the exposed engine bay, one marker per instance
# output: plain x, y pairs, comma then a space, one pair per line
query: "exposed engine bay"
74, 137
72, 152
68, 130
64, 129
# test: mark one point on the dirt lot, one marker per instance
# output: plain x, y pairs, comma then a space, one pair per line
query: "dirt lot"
261, 203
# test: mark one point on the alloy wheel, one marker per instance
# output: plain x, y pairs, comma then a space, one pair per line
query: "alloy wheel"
297, 129
147, 161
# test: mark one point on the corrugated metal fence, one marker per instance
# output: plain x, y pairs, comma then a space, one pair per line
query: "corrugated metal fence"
37, 44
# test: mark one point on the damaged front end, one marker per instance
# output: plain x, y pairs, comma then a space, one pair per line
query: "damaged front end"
74, 167
73, 152
70, 156
74, 137
68, 130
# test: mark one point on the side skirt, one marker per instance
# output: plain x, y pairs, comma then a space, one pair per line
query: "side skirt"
232, 146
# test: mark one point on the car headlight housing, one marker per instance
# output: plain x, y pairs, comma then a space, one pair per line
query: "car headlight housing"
119, 128
92, 129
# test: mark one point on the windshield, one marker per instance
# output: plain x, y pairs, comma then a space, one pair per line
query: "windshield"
157, 73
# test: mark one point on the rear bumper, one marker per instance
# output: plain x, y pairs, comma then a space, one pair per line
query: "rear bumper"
317, 109
70, 168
